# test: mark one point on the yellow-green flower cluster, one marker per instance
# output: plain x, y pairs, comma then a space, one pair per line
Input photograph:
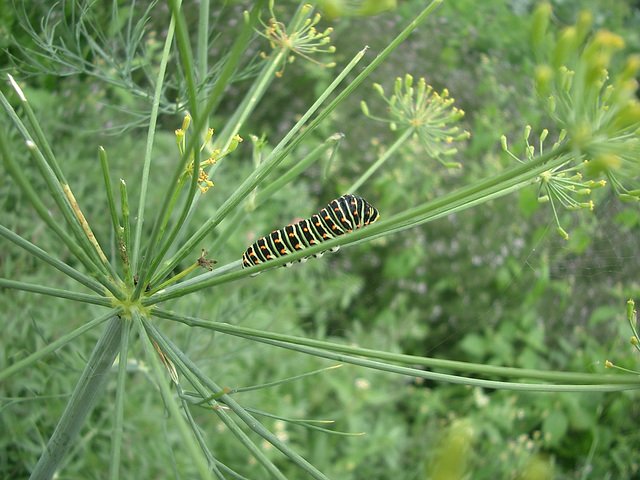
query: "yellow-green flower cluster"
429, 113
300, 38
204, 183
563, 185
599, 111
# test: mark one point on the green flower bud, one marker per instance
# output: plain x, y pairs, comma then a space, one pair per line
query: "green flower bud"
364, 108
566, 47
541, 18
563, 234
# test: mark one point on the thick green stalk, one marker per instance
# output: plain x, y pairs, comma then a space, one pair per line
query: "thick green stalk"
82, 400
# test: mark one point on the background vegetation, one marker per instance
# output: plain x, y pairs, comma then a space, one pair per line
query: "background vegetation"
494, 284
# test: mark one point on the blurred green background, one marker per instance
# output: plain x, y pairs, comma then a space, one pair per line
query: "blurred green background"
494, 284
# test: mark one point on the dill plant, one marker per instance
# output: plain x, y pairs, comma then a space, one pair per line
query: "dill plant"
597, 111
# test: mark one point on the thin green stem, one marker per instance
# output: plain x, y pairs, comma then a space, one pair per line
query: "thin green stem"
382, 160
298, 168
118, 413
203, 41
630, 381
56, 292
455, 379
125, 238
214, 464
20, 365
54, 262
153, 121
277, 155
57, 184
189, 444
194, 377
33, 197
115, 223
240, 411
104, 163
200, 122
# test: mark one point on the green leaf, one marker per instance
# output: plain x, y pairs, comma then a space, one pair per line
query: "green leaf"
554, 427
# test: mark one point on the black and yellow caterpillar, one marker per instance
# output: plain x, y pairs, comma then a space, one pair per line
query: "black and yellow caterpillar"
341, 216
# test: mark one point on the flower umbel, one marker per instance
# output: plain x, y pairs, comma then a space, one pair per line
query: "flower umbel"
300, 38
563, 184
601, 113
428, 113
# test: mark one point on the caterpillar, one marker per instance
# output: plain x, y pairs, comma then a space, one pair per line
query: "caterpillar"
341, 216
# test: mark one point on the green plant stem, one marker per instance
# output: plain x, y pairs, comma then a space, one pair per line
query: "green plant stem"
610, 382
53, 346
117, 230
134, 257
202, 52
482, 191
215, 465
82, 400
184, 47
200, 122
106, 176
382, 160
33, 196
125, 238
118, 412
189, 444
455, 379
56, 292
288, 143
239, 410
192, 374
51, 173
298, 168
54, 262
